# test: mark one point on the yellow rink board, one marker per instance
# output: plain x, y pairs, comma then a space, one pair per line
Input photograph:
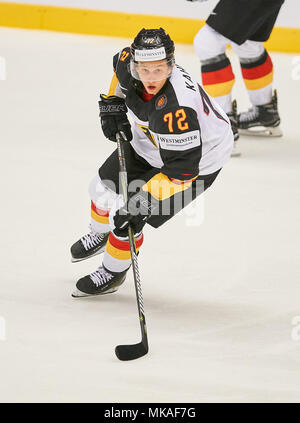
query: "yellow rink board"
118, 24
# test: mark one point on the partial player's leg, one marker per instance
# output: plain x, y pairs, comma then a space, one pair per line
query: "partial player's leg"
262, 118
217, 75
104, 192
94, 242
116, 262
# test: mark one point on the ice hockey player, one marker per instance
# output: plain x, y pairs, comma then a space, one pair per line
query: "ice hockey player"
179, 137
244, 25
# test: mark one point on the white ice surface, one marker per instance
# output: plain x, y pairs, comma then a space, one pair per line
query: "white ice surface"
219, 297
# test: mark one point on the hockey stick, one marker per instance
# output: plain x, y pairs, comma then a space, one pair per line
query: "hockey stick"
131, 352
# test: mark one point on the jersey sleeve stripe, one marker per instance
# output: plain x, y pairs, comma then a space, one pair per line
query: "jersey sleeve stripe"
113, 86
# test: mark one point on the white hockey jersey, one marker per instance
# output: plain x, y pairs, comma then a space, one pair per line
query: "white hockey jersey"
181, 130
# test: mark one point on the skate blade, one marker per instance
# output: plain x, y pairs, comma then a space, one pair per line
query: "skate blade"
80, 294
75, 260
262, 131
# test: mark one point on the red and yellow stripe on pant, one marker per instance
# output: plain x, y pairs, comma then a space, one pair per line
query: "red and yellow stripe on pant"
258, 74
117, 256
217, 77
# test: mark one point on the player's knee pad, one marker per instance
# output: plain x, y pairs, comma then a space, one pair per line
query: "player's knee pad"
249, 49
208, 43
102, 196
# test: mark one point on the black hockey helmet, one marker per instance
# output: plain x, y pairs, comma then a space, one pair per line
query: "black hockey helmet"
150, 40
151, 45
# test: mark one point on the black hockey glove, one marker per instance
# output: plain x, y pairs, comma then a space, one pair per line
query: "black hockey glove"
113, 115
135, 213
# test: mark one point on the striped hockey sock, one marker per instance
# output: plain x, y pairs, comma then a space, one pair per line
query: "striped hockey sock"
218, 80
258, 78
99, 219
117, 257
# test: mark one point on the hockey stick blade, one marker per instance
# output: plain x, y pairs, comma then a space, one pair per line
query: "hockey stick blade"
131, 352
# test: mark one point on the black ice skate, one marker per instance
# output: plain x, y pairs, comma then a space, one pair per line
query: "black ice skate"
88, 246
233, 117
261, 120
99, 283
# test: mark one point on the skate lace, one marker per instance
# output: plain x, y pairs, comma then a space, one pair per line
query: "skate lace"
249, 115
92, 239
101, 276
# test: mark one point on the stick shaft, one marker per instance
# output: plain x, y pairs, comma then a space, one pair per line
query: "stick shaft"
134, 261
